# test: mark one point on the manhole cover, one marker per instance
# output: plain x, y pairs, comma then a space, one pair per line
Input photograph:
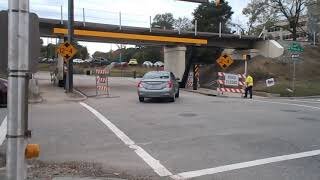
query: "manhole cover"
308, 119
289, 110
218, 101
187, 114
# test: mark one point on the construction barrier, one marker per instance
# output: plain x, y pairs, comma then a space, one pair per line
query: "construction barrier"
102, 81
190, 80
232, 83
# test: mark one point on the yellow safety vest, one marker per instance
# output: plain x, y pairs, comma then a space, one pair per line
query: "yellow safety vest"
249, 81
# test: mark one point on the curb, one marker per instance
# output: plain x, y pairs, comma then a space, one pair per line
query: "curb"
198, 92
36, 101
84, 97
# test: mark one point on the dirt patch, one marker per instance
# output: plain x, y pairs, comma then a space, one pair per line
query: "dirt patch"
48, 170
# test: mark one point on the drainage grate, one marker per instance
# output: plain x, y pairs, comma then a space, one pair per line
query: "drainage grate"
308, 119
188, 114
289, 110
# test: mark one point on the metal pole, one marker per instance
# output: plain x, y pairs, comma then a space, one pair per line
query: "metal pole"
150, 23
96, 84
245, 67
314, 38
70, 39
294, 77
195, 27
83, 17
18, 63
120, 25
220, 29
61, 15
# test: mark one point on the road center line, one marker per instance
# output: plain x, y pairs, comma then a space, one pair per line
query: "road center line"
291, 104
153, 163
3, 130
192, 174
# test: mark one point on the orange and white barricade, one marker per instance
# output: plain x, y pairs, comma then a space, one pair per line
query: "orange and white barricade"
231, 83
102, 81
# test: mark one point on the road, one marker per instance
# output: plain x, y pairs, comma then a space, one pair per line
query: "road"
197, 136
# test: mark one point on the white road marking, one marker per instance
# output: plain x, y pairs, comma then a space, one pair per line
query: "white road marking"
291, 104
303, 101
153, 163
192, 174
3, 130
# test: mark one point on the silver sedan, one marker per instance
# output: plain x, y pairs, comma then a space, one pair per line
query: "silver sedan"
158, 84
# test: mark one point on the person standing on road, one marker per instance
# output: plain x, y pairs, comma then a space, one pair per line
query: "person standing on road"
249, 85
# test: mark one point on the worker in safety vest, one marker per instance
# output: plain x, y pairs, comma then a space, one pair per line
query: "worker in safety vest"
249, 85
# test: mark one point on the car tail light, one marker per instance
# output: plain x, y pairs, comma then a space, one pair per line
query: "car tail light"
140, 85
170, 84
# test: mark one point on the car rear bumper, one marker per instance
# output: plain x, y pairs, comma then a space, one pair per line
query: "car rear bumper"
155, 93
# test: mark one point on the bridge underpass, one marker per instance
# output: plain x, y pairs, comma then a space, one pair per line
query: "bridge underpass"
175, 42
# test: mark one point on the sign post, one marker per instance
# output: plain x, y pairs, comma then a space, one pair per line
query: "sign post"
295, 49
19, 73
69, 81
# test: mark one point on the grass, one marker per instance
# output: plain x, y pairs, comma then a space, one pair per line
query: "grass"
302, 88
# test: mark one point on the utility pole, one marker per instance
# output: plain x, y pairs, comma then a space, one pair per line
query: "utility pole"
69, 85
19, 73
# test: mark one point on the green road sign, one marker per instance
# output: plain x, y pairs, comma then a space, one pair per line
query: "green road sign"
295, 47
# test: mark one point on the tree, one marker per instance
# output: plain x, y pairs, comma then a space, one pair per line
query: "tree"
260, 15
183, 24
82, 51
268, 12
163, 21
209, 15
291, 10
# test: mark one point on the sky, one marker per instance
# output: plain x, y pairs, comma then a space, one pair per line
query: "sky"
133, 12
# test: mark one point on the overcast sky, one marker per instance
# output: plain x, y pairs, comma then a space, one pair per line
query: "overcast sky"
134, 12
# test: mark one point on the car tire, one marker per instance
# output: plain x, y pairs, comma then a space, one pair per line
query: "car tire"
141, 99
178, 94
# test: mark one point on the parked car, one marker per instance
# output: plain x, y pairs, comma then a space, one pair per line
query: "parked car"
158, 84
147, 64
78, 61
133, 62
3, 93
159, 64
88, 60
124, 64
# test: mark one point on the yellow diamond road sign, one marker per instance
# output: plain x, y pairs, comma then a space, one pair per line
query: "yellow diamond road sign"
224, 61
67, 51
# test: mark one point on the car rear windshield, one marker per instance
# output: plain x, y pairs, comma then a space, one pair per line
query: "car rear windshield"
156, 75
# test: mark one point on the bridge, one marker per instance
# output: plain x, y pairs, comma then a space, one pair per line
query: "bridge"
174, 41
107, 33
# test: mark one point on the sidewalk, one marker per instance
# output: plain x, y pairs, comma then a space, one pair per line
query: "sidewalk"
53, 94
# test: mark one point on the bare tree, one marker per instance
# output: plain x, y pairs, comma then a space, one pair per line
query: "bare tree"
183, 24
260, 15
291, 10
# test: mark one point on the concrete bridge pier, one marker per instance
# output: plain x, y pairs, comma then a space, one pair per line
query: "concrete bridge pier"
175, 60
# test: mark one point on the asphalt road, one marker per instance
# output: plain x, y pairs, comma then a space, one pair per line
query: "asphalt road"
195, 133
